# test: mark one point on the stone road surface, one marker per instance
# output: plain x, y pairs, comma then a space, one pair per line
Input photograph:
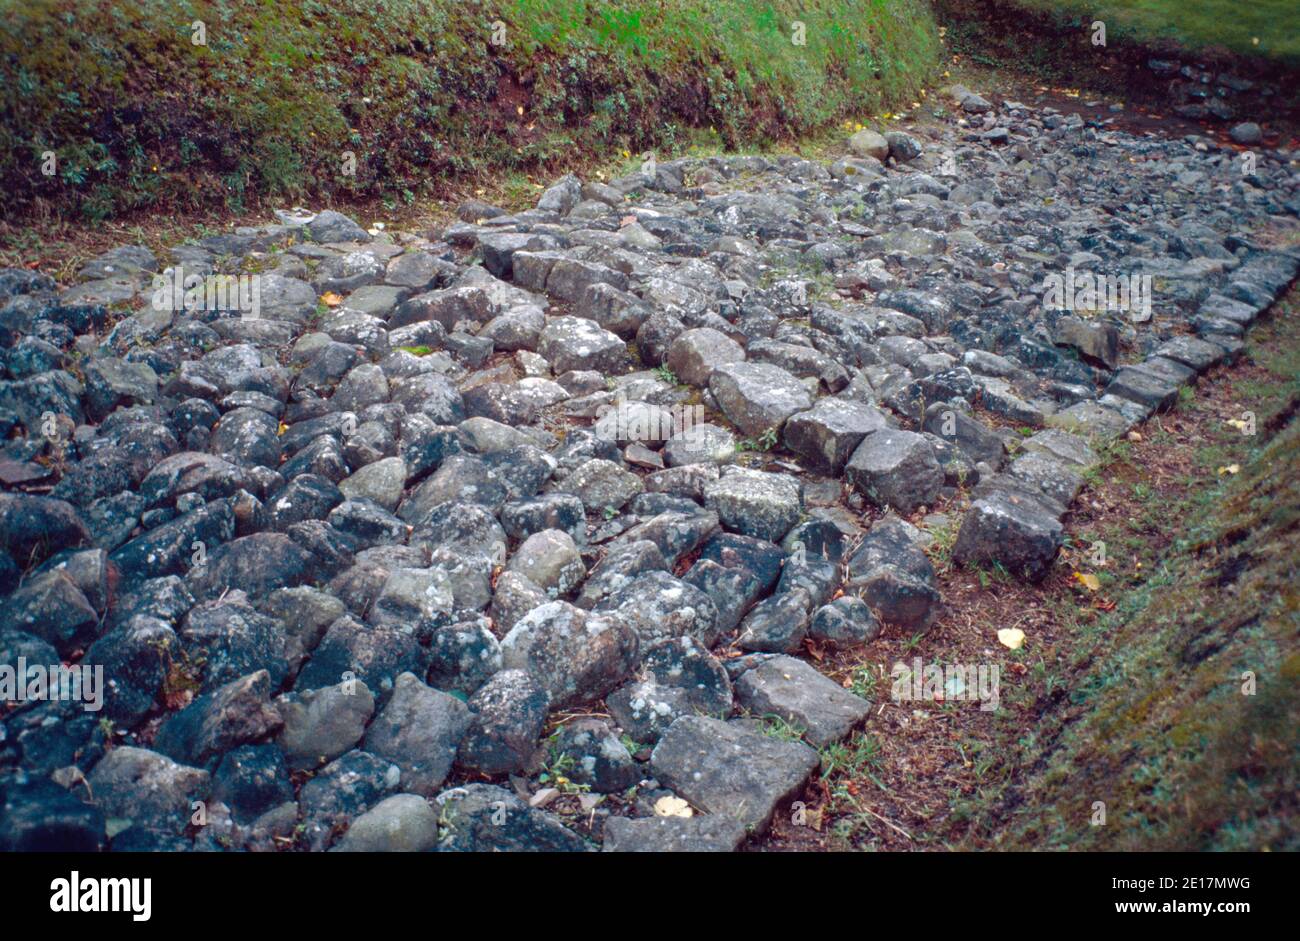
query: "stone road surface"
343, 550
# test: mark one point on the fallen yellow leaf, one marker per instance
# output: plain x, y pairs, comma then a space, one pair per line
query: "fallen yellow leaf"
1012, 637
330, 299
1230, 469
1088, 580
673, 807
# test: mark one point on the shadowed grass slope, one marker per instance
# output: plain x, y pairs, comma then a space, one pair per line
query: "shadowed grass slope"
1182, 713
1268, 28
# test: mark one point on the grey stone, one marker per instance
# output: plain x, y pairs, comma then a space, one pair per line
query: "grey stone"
514, 597
621, 565
1095, 341
577, 343
703, 833
349, 271
789, 688
902, 147
403, 823
829, 432
755, 503
331, 226
419, 730
674, 533
777, 624
146, 789
694, 355
232, 640
111, 383
757, 397
659, 606
322, 724
1068, 448
868, 143
1142, 385
615, 310
484, 818
577, 656
725, 768
971, 436
463, 656
846, 621
41, 816
602, 485
561, 196
1247, 133
550, 560
381, 482
53, 608
894, 577
895, 468
701, 443
599, 759
506, 718
238, 713
1017, 533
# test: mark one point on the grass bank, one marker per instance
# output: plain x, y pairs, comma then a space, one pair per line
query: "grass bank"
1178, 707
1268, 28
172, 105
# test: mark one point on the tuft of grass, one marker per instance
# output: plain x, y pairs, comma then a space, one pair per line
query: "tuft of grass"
855, 757
775, 726
945, 539
665, 374
762, 442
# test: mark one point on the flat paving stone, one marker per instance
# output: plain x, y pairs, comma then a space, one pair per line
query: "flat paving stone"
726, 768
795, 691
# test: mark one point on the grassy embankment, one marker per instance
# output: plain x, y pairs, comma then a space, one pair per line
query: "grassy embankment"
143, 120
1269, 28
1182, 704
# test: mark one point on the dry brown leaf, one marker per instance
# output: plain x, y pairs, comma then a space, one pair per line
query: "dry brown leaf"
543, 797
